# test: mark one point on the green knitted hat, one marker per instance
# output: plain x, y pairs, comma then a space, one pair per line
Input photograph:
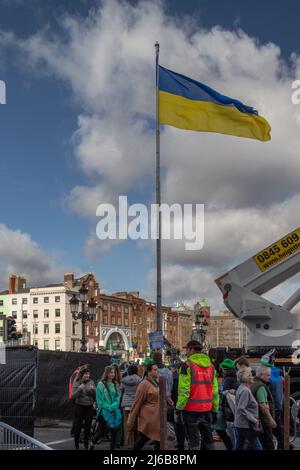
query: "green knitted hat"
227, 364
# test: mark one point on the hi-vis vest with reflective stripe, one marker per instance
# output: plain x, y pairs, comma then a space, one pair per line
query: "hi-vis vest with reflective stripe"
201, 391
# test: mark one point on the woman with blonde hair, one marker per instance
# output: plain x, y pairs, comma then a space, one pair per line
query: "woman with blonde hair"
246, 419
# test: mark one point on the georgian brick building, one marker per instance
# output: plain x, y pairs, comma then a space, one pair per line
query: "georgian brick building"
126, 319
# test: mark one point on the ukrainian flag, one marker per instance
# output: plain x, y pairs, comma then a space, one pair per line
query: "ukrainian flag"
187, 104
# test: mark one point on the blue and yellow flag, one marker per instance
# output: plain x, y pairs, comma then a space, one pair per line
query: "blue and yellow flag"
187, 104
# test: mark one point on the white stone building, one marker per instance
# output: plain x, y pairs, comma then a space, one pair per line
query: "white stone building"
43, 316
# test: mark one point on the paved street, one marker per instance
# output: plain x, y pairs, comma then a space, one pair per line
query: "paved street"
58, 438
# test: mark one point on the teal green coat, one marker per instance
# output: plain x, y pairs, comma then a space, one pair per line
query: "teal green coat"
108, 401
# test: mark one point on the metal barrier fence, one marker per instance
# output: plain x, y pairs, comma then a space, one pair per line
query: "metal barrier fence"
295, 419
12, 439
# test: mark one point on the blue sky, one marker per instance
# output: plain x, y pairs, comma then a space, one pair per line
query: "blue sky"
38, 166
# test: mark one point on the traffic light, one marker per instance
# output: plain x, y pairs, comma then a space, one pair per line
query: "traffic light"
11, 330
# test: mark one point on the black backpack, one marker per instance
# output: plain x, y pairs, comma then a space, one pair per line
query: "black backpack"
226, 410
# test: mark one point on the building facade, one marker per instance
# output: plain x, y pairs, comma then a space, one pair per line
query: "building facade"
125, 322
185, 323
225, 330
43, 316
122, 324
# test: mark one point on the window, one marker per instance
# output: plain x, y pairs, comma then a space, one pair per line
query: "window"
46, 300
57, 298
24, 301
35, 329
46, 328
119, 320
14, 314
24, 314
36, 343
105, 307
1, 302
119, 309
125, 309
258, 325
105, 319
35, 300
113, 320
112, 308
46, 313
57, 312
134, 318
57, 344
35, 313
126, 320
57, 328
46, 344
14, 301
74, 329
73, 342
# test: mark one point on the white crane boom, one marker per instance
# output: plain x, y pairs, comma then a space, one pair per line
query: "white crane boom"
268, 324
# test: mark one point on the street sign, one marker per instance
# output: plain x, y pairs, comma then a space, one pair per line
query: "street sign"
156, 340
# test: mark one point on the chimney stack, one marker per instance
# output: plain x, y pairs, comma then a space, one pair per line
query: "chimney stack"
12, 284
16, 284
69, 280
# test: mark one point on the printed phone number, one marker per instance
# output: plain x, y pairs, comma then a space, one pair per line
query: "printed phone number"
275, 249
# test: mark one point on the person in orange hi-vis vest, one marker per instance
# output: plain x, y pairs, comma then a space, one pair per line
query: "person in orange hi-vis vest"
198, 397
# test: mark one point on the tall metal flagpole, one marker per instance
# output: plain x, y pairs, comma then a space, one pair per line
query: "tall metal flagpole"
158, 199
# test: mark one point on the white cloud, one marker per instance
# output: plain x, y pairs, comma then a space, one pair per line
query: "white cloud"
250, 189
94, 247
19, 254
233, 234
186, 285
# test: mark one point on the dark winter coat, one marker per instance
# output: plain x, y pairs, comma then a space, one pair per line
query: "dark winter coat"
128, 387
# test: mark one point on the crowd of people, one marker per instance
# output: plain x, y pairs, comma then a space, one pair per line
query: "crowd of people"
206, 401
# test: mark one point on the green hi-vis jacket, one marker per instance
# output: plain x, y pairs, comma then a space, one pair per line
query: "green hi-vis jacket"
184, 382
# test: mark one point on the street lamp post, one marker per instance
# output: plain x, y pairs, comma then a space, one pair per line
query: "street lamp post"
87, 313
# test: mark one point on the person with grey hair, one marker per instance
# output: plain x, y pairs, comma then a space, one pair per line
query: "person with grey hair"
263, 396
246, 413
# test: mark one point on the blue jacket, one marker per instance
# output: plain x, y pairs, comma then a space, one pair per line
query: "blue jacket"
276, 388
